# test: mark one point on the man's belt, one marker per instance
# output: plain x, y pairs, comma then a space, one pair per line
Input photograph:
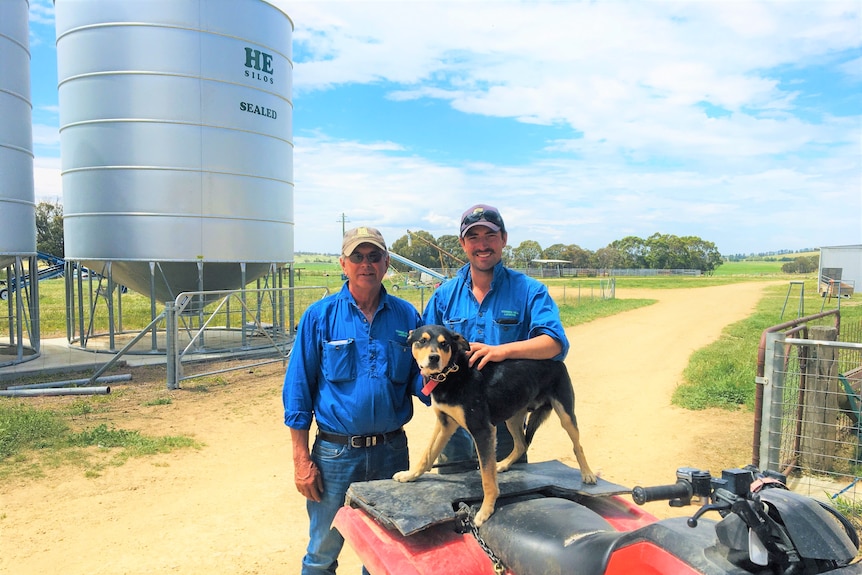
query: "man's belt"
361, 441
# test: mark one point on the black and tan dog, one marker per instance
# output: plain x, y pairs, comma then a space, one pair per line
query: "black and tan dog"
478, 400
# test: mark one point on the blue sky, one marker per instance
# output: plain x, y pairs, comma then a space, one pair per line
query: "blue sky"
584, 122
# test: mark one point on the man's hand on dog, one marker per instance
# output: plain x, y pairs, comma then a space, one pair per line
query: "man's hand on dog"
541, 346
481, 353
308, 480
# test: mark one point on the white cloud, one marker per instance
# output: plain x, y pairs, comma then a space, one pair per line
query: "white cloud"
632, 79
48, 186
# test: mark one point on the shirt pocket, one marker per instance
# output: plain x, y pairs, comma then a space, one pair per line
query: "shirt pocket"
400, 362
338, 360
507, 329
456, 324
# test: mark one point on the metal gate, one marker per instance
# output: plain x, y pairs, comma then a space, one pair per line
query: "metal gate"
808, 412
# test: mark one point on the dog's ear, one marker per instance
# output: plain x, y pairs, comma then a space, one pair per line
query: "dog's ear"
460, 342
410, 335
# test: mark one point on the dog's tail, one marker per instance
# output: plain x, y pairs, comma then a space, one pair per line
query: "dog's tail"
536, 419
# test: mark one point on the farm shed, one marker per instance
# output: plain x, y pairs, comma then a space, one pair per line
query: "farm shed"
840, 270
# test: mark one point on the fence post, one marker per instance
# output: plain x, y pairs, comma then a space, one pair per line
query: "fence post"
171, 344
820, 429
773, 403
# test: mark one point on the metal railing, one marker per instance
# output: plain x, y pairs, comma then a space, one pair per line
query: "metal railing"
252, 326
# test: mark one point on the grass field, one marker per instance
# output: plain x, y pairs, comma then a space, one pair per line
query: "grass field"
753, 267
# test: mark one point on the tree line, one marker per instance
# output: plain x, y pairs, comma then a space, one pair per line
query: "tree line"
659, 251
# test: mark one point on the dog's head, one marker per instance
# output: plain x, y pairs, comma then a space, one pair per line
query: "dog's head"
435, 348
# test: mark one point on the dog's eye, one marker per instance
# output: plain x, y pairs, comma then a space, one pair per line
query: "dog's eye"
444, 345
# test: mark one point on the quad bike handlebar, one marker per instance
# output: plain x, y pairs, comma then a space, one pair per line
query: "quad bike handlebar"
791, 531
690, 483
722, 494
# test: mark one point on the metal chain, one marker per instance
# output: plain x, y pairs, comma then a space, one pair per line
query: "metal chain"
465, 517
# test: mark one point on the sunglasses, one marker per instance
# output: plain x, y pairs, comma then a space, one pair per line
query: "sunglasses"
372, 257
484, 215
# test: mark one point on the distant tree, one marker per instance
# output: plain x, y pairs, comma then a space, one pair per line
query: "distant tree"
663, 252
49, 229
608, 258
526, 252
508, 255
703, 255
633, 251
417, 247
574, 254
451, 247
555, 252
801, 265
580, 257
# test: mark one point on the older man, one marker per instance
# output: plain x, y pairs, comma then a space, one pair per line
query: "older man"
352, 372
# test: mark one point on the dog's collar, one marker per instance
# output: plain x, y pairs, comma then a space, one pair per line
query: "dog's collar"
432, 381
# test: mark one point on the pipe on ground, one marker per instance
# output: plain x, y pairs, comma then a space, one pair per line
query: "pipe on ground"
55, 391
52, 384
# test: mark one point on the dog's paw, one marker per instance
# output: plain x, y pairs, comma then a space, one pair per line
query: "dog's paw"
503, 466
482, 515
404, 476
589, 477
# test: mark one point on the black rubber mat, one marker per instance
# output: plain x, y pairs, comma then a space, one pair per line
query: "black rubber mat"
431, 499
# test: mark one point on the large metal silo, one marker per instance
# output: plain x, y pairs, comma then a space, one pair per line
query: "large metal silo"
19, 294
17, 204
176, 140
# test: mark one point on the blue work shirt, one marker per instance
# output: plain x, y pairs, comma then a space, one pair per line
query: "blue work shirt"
354, 377
516, 308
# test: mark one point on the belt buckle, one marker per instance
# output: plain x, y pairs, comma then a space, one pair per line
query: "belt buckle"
360, 441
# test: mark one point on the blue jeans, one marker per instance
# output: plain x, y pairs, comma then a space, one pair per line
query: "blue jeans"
340, 466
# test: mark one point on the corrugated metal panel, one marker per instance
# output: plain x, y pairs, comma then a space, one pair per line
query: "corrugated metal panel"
176, 134
17, 200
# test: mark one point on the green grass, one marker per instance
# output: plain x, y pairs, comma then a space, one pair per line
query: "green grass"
577, 314
24, 427
132, 443
31, 439
750, 267
849, 508
722, 374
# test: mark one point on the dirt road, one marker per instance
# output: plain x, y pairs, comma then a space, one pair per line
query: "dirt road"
230, 507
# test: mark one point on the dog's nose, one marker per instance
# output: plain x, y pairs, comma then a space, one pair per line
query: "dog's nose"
433, 358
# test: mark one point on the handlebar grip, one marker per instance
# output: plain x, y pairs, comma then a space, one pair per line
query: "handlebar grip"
679, 490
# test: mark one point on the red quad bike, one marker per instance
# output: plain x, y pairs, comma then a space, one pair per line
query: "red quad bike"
547, 522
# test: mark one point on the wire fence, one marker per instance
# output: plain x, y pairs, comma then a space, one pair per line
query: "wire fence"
809, 409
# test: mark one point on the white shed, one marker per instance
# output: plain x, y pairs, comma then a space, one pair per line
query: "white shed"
840, 270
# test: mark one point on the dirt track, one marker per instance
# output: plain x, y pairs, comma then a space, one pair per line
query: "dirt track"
231, 508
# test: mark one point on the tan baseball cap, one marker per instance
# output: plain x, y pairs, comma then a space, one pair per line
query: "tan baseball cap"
361, 235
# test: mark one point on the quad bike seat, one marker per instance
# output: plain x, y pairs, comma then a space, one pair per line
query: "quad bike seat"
550, 536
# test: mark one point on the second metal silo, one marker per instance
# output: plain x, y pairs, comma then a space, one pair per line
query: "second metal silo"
17, 206
176, 140
18, 270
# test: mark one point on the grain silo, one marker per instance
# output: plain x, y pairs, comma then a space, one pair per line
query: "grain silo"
176, 141
18, 292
